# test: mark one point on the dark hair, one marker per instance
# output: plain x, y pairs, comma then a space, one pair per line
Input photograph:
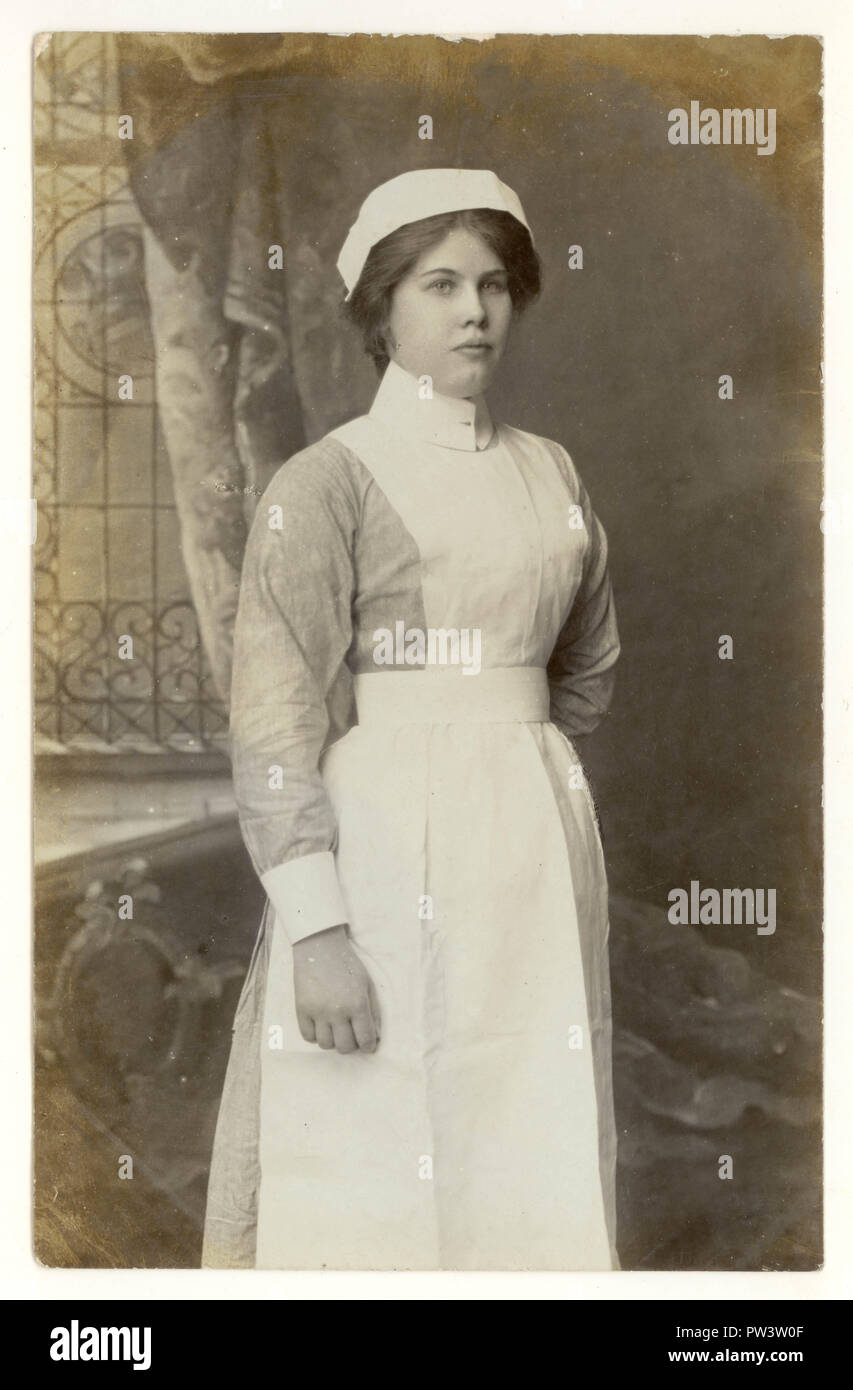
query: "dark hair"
391, 259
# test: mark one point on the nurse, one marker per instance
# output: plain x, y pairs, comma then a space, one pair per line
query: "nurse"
420, 1074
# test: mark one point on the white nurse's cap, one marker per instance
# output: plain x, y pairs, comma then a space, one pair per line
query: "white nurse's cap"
417, 194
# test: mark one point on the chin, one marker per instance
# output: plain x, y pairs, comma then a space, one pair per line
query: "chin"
470, 378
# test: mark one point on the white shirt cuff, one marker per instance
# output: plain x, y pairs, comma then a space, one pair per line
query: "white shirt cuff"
306, 895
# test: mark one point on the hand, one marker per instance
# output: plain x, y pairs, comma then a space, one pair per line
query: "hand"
336, 1004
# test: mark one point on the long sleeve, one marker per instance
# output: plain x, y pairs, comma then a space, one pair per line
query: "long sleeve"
581, 669
292, 633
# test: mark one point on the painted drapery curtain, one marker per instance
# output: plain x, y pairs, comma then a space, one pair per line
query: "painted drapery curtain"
251, 358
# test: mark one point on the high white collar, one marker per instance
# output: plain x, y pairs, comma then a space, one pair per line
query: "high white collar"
453, 421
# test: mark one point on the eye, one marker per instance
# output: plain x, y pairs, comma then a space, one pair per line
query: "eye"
439, 284
497, 285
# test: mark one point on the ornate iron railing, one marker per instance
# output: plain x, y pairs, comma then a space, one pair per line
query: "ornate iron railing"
159, 696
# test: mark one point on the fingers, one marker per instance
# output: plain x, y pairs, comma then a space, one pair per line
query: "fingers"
348, 1026
344, 1038
364, 1029
352, 1035
336, 1003
373, 999
306, 1026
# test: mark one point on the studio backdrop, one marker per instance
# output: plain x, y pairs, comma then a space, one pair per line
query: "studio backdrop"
675, 352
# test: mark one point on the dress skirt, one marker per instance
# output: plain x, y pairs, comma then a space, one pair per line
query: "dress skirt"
480, 1134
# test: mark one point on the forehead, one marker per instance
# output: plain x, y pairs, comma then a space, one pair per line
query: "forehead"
459, 249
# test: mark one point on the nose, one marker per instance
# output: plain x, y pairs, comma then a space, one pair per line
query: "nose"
473, 308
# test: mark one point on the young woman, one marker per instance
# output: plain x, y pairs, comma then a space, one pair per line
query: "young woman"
420, 1075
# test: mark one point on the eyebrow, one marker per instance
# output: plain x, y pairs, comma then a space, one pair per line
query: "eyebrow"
446, 270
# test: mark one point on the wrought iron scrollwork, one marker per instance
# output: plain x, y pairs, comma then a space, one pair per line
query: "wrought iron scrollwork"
159, 695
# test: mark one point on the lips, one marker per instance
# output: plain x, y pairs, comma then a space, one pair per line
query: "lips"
480, 344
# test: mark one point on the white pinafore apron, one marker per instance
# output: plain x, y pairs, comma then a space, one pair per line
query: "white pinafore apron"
470, 1138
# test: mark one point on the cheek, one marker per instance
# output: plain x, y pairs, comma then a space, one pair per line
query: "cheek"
421, 323
504, 315
401, 315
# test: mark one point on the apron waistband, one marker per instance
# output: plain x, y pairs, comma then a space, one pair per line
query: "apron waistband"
497, 695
